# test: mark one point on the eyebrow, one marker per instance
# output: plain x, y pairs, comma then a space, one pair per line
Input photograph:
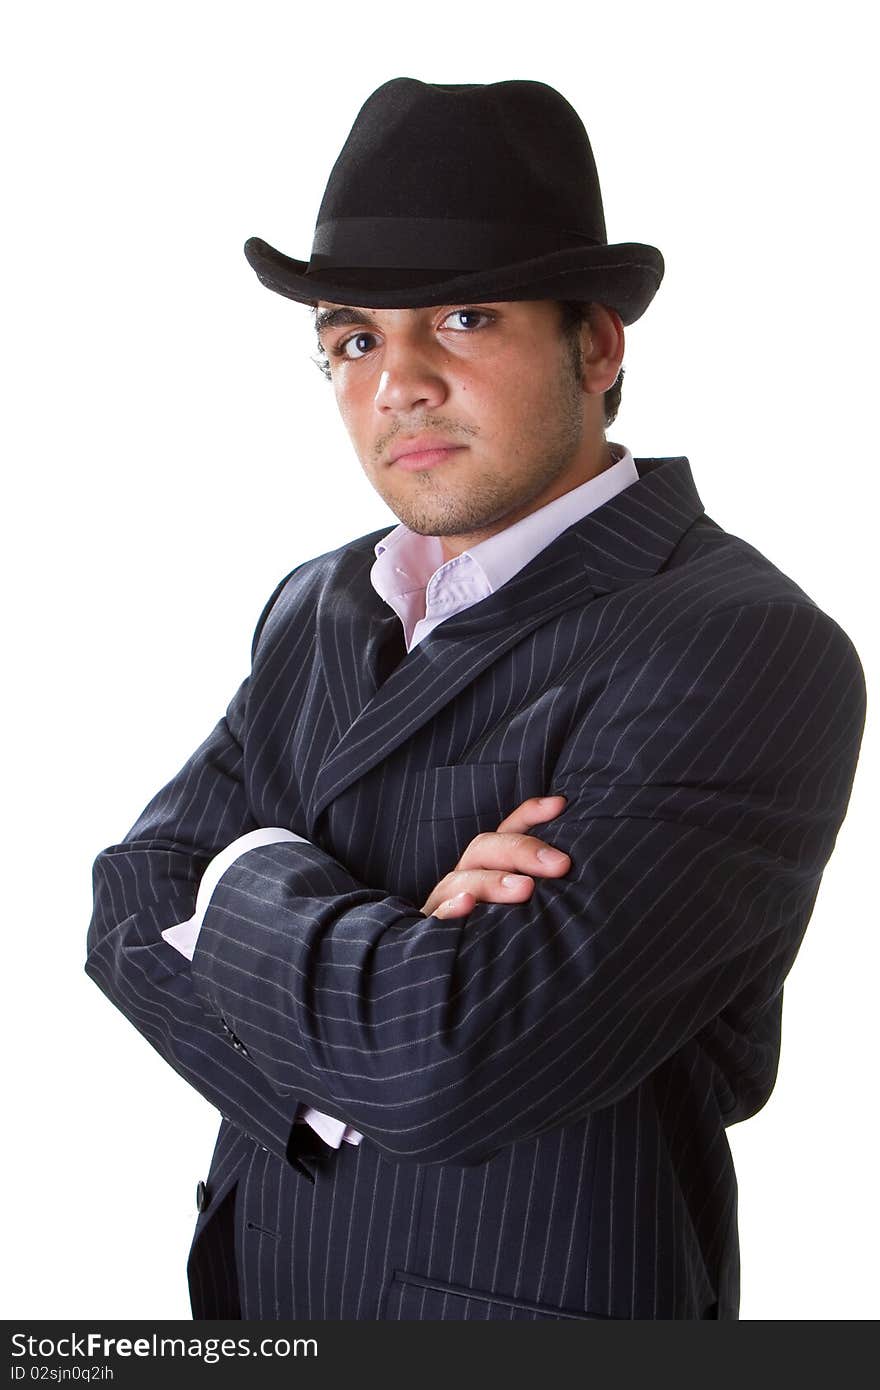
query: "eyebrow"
338, 318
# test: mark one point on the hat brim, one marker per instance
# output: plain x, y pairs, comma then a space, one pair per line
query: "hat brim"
625, 276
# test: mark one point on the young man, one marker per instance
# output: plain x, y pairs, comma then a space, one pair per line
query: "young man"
468, 1070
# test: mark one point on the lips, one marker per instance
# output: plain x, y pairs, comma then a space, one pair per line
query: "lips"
423, 452
425, 458
421, 444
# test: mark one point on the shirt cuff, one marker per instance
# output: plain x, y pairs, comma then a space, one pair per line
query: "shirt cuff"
331, 1131
183, 935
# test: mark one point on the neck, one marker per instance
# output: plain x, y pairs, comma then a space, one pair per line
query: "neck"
456, 545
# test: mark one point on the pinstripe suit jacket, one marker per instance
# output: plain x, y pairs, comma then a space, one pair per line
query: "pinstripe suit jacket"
543, 1088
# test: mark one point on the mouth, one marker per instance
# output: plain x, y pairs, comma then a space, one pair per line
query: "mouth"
417, 459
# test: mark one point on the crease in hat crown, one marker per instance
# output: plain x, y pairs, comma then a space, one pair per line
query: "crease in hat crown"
450, 191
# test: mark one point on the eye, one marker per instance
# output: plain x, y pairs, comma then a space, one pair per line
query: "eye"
471, 314
353, 347
357, 345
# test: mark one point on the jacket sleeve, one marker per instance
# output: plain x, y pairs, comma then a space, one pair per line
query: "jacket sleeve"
148, 882
706, 783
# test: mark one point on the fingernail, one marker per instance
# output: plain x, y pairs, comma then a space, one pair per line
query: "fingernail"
513, 880
551, 856
555, 796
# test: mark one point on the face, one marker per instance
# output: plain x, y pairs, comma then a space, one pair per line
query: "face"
465, 418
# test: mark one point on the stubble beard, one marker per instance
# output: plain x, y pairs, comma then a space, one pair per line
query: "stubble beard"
430, 508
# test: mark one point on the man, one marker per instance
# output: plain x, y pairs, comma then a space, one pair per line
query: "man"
469, 1070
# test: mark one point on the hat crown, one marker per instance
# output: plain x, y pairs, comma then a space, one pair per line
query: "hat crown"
455, 193
512, 152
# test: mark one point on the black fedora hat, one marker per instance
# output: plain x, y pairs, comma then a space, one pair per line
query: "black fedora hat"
447, 193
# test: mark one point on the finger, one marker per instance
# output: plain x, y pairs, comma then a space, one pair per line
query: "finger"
446, 889
534, 811
480, 886
459, 906
516, 852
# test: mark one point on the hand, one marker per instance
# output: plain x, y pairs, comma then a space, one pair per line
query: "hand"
505, 853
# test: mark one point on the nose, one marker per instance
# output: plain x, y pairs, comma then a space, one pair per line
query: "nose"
410, 379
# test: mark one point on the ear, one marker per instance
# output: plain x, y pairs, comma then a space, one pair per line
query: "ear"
602, 346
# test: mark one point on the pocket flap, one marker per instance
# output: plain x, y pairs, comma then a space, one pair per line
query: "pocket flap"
415, 1298
464, 790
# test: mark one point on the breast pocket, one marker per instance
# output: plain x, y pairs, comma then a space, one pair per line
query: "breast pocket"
445, 808
412, 1298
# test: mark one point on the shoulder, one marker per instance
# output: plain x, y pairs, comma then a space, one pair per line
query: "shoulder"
718, 624
716, 580
301, 589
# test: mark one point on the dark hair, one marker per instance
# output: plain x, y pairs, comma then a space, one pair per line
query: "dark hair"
574, 314
320, 359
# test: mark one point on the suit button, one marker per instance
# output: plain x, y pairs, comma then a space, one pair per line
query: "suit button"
202, 1198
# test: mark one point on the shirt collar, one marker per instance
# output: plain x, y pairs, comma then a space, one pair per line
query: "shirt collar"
413, 560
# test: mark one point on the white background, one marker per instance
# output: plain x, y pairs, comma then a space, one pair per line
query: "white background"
171, 451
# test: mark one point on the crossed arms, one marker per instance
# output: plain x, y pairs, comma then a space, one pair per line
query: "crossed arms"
704, 791
481, 875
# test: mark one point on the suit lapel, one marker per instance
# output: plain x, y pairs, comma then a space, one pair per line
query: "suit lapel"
355, 627
626, 540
